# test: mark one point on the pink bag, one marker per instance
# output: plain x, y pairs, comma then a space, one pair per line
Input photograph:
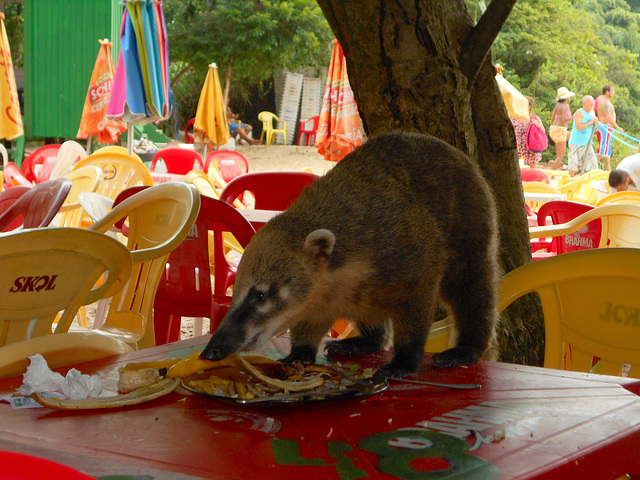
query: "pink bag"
537, 140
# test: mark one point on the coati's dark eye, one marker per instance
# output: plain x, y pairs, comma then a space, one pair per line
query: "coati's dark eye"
260, 296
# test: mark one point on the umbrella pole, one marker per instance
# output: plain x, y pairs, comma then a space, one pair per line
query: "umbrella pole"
89, 144
130, 138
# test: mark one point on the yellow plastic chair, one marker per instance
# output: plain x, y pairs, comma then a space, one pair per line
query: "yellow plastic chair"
627, 197
119, 170
268, 130
537, 187
590, 302
46, 270
569, 189
69, 154
620, 226
157, 220
85, 179
590, 175
201, 181
215, 178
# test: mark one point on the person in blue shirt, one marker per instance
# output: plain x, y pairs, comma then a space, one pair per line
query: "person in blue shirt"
580, 146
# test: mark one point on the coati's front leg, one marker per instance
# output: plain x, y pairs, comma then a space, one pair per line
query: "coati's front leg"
305, 340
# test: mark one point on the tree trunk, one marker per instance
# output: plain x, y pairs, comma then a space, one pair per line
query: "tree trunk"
421, 66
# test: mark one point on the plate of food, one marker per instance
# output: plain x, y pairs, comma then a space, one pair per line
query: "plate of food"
279, 383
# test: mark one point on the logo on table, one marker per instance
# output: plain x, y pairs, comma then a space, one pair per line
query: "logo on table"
622, 314
34, 284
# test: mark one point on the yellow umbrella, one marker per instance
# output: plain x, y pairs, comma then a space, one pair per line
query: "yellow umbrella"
10, 118
210, 127
516, 103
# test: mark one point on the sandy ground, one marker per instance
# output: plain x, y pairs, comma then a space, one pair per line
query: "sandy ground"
284, 157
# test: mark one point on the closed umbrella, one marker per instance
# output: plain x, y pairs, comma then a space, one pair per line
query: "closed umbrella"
516, 103
140, 92
340, 128
210, 126
10, 118
93, 121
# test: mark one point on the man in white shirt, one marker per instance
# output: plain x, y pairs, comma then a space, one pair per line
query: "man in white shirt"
627, 175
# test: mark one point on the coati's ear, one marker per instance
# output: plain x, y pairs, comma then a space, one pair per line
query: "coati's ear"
320, 243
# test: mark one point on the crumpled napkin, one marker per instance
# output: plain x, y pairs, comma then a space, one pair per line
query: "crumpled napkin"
76, 385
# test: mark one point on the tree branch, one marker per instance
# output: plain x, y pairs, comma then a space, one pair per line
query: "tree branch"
477, 45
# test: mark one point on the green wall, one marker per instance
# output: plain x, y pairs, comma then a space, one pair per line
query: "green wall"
60, 50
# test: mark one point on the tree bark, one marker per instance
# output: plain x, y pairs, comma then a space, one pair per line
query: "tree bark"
422, 66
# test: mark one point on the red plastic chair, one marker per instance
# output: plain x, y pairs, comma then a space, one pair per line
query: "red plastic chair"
178, 160
308, 128
562, 212
534, 175
231, 164
13, 176
38, 206
7, 198
185, 290
44, 156
188, 138
20, 466
272, 190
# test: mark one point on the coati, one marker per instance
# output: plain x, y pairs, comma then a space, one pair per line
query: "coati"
402, 222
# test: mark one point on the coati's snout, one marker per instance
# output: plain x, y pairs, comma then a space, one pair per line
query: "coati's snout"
271, 285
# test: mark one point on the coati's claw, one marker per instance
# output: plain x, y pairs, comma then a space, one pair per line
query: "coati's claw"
457, 356
304, 354
353, 346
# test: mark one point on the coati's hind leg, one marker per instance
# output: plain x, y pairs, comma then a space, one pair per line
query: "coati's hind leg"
371, 339
471, 293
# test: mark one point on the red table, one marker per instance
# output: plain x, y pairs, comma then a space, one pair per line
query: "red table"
557, 424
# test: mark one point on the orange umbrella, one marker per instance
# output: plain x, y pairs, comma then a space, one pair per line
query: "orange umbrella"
93, 121
340, 128
211, 127
10, 118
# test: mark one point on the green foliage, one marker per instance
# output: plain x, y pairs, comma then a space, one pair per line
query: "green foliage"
14, 23
579, 44
249, 40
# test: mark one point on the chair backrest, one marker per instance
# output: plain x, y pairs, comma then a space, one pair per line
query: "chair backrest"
201, 181
85, 179
561, 212
628, 196
119, 170
70, 153
537, 187
185, 289
38, 165
47, 270
38, 206
177, 160
534, 175
620, 226
590, 302
188, 131
231, 164
7, 198
157, 219
272, 190
569, 189
13, 176
590, 175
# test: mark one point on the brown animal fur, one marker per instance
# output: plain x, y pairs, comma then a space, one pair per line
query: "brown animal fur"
399, 224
